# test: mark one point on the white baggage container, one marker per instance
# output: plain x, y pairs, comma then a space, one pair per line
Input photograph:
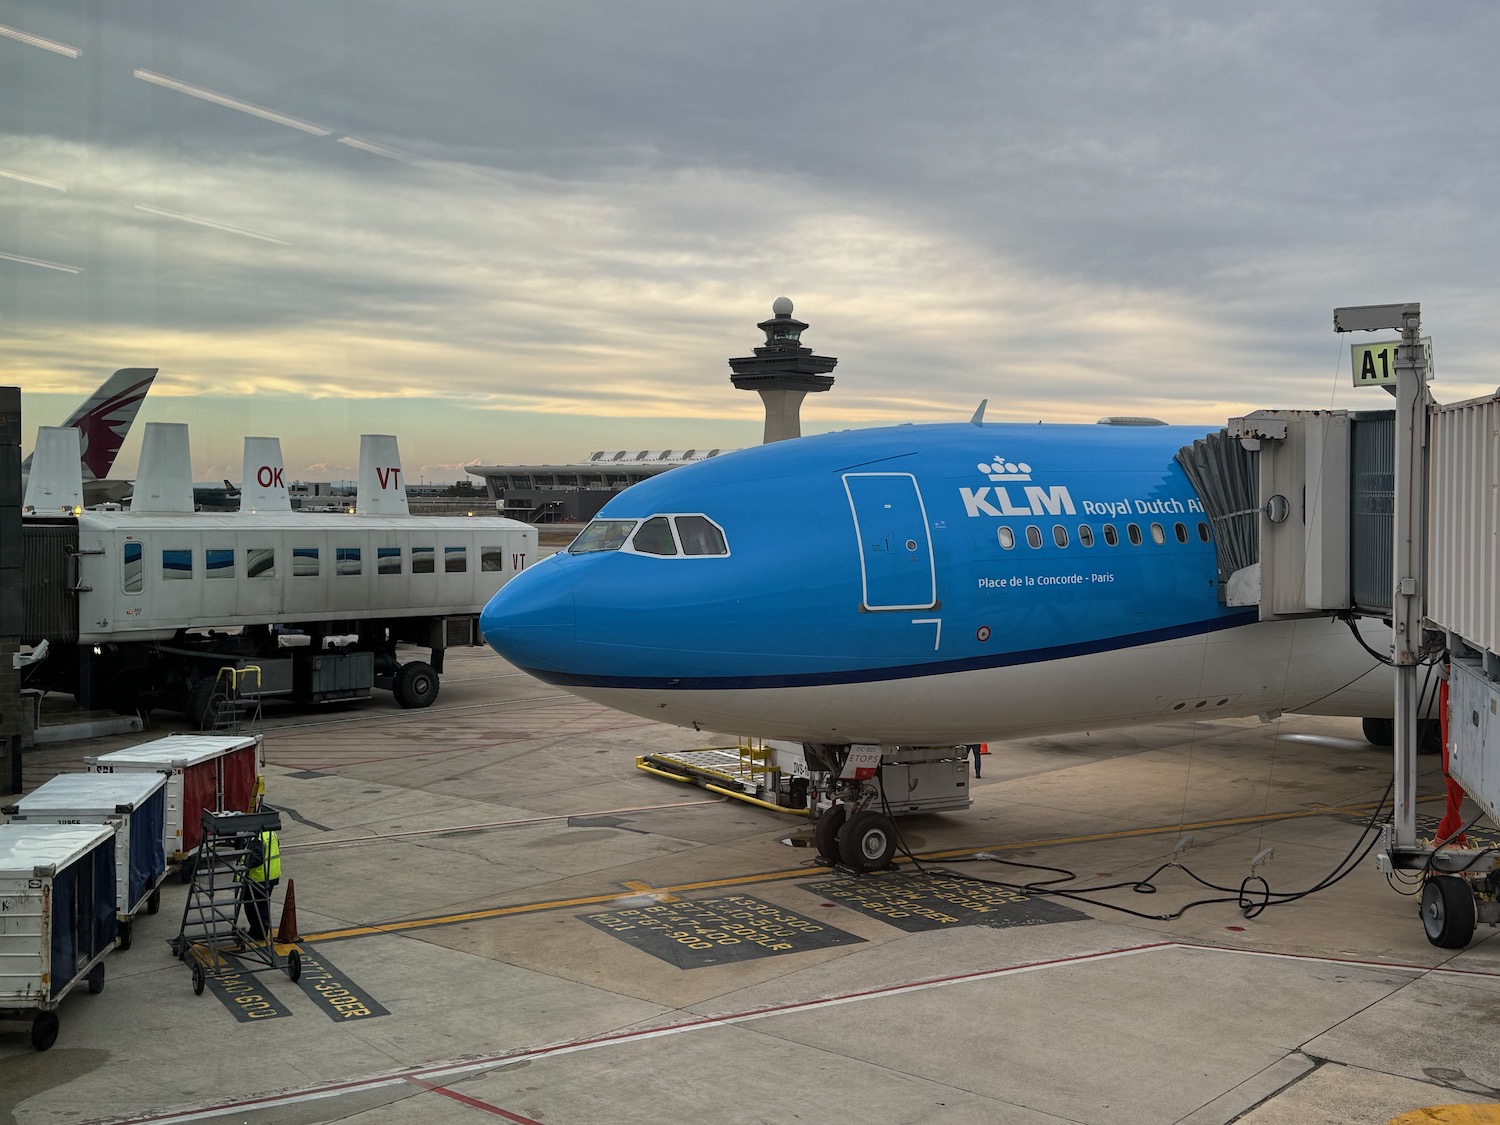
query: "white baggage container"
57, 917
206, 772
135, 803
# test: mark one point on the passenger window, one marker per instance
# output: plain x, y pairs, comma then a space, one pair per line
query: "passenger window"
132, 574
218, 562
260, 562
304, 562
177, 562
1085, 535
700, 536
492, 558
1007, 538
1111, 536
1059, 535
1158, 534
1034, 537
602, 535
455, 560
1134, 531
422, 560
1181, 531
1203, 532
387, 560
655, 537
346, 560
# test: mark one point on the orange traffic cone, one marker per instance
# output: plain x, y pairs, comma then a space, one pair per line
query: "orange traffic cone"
984, 747
286, 932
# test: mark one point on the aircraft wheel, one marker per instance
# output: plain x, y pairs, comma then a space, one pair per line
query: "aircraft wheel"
1448, 914
826, 832
96, 979
415, 685
43, 1030
868, 841
1380, 732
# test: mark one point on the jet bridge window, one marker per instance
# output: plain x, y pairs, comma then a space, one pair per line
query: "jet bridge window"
218, 562
346, 560
701, 536
132, 576
455, 560
305, 562
177, 562
387, 560
492, 559
421, 560
602, 535
260, 562
655, 537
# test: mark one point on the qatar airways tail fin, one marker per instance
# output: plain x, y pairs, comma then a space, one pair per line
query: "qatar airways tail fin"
105, 416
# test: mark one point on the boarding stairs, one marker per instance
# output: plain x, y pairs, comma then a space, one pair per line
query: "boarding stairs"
235, 705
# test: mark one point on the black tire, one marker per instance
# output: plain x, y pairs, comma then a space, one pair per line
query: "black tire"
1380, 732
127, 933
96, 979
868, 841
200, 707
43, 1030
199, 980
415, 685
826, 832
153, 901
293, 965
178, 947
1448, 914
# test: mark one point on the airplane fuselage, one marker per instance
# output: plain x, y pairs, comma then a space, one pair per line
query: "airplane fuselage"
920, 585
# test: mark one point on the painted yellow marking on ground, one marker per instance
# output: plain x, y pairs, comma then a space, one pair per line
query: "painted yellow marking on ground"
648, 889
1451, 1115
803, 872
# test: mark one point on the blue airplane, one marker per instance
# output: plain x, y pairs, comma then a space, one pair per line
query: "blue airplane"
919, 585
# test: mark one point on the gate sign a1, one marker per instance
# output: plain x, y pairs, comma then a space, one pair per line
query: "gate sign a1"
1375, 364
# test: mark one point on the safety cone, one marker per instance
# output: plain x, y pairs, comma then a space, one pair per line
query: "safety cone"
984, 747
286, 932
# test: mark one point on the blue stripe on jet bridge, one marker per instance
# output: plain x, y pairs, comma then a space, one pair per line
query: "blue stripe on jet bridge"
900, 672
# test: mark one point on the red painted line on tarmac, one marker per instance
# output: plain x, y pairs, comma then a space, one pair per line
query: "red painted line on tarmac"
474, 1102
431, 1077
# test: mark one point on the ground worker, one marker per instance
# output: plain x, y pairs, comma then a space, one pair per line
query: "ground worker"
263, 872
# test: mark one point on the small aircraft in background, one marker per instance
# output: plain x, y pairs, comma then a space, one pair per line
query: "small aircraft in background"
919, 586
103, 420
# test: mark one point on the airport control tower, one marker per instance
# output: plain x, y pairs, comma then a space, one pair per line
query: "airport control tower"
783, 372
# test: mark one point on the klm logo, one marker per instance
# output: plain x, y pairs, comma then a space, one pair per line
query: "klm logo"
997, 500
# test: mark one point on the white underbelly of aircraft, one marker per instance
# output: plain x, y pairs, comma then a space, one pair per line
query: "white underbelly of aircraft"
1251, 670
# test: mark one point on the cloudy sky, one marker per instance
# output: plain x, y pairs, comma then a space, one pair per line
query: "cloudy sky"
523, 231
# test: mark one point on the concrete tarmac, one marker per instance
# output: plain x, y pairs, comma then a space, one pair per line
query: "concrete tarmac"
503, 919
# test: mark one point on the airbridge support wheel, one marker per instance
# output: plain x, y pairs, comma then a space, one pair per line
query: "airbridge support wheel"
1379, 732
1448, 914
867, 842
415, 685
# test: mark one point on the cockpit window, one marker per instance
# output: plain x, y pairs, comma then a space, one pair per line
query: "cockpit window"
602, 535
655, 537
700, 536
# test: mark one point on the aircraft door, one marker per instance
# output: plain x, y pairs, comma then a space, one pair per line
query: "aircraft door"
895, 550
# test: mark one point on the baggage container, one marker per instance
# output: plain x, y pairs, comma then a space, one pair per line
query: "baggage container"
57, 918
205, 773
135, 803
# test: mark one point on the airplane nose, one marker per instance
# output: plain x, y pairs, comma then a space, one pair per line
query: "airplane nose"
531, 620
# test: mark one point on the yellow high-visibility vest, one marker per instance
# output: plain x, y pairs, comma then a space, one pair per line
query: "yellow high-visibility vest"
269, 869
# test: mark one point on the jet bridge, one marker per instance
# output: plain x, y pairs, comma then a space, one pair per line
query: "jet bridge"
1391, 515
